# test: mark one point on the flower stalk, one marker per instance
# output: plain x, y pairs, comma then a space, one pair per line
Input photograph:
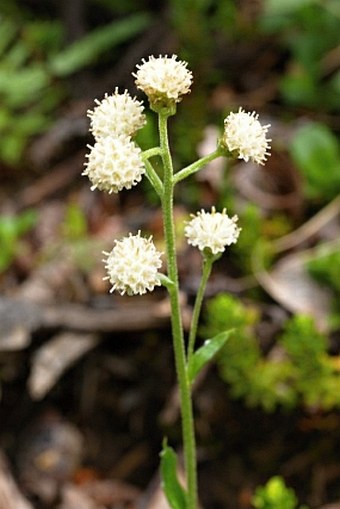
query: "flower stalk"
153, 178
206, 271
197, 165
189, 444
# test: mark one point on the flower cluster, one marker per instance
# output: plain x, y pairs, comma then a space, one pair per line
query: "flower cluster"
163, 79
115, 161
244, 135
133, 264
212, 230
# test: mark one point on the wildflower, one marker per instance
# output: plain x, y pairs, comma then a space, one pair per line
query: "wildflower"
244, 134
212, 230
132, 265
116, 114
163, 79
114, 163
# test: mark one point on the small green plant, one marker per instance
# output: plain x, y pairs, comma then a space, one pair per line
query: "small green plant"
275, 495
313, 374
241, 363
301, 373
12, 228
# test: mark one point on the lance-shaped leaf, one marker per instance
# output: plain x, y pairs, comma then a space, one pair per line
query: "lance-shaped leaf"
206, 353
173, 490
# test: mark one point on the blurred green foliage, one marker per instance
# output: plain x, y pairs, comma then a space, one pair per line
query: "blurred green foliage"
84, 52
12, 228
309, 30
298, 370
118, 7
325, 267
316, 153
199, 26
74, 226
27, 94
34, 65
257, 232
275, 495
75, 241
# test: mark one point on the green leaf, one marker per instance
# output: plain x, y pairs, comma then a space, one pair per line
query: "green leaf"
173, 490
206, 353
86, 50
299, 87
16, 56
24, 85
316, 152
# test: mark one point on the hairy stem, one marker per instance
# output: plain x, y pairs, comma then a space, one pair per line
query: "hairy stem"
197, 165
207, 266
152, 176
176, 320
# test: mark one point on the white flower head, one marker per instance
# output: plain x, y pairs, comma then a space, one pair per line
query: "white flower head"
244, 135
212, 230
132, 265
116, 114
163, 79
114, 163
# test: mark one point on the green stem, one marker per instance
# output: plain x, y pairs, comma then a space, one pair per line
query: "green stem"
189, 444
197, 165
206, 271
151, 152
154, 179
